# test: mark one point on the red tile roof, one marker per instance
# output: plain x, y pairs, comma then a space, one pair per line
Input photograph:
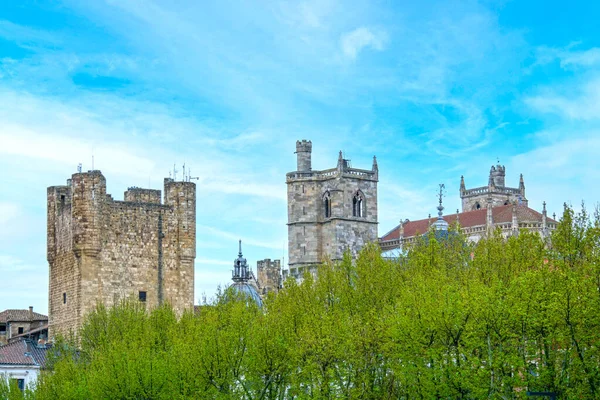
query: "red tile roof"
20, 315
19, 353
468, 219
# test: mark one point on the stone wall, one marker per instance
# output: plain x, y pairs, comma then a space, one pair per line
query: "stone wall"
269, 275
314, 236
103, 251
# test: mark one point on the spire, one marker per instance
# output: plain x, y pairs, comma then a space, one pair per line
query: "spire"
340, 165
462, 184
544, 220
375, 167
440, 224
240, 271
522, 185
490, 216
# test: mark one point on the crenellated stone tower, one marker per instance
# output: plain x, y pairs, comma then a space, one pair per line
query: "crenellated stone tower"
494, 194
101, 250
329, 211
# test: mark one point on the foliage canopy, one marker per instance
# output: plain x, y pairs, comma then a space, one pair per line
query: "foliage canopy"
449, 319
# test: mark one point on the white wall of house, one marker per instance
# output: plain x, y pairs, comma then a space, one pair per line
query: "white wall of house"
27, 372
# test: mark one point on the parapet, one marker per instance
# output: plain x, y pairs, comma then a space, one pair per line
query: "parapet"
303, 146
139, 195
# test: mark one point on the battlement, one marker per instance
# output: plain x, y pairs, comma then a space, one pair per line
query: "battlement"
139, 195
102, 250
303, 154
495, 193
303, 145
329, 211
332, 173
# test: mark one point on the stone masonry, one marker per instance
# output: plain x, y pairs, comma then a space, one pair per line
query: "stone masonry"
101, 250
269, 275
495, 193
329, 211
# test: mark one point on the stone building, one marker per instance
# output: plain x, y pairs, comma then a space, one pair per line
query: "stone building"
269, 276
477, 198
484, 210
18, 323
101, 250
329, 211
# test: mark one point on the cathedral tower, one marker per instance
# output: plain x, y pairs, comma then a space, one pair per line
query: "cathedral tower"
495, 193
329, 211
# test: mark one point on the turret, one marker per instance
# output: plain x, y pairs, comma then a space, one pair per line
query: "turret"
88, 195
59, 207
522, 186
497, 175
182, 197
303, 153
489, 216
463, 189
544, 219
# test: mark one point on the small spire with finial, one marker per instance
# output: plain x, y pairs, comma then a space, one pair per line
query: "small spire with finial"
240, 252
440, 207
375, 167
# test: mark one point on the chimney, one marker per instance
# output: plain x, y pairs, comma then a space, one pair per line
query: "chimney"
30, 313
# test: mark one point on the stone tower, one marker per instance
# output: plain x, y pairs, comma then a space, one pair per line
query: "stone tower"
495, 193
329, 211
101, 250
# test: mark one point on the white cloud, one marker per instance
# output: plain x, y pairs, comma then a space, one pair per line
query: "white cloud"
355, 41
568, 57
586, 58
581, 103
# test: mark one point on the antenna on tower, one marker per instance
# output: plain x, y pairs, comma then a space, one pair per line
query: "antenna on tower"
190, 177
184, 176
175, 173
79, 166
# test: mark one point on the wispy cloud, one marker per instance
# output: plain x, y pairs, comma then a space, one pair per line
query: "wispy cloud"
354, 42
581, 102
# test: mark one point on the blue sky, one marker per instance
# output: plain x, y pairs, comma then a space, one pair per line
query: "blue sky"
435, 89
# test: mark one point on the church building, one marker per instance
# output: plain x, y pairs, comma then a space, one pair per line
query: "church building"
484, 209
329, 211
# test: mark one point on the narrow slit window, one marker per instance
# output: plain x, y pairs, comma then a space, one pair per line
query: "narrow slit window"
327, 205
65, 298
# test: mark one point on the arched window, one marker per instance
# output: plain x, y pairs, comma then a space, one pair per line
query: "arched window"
358, 205
327, 205
477, 206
